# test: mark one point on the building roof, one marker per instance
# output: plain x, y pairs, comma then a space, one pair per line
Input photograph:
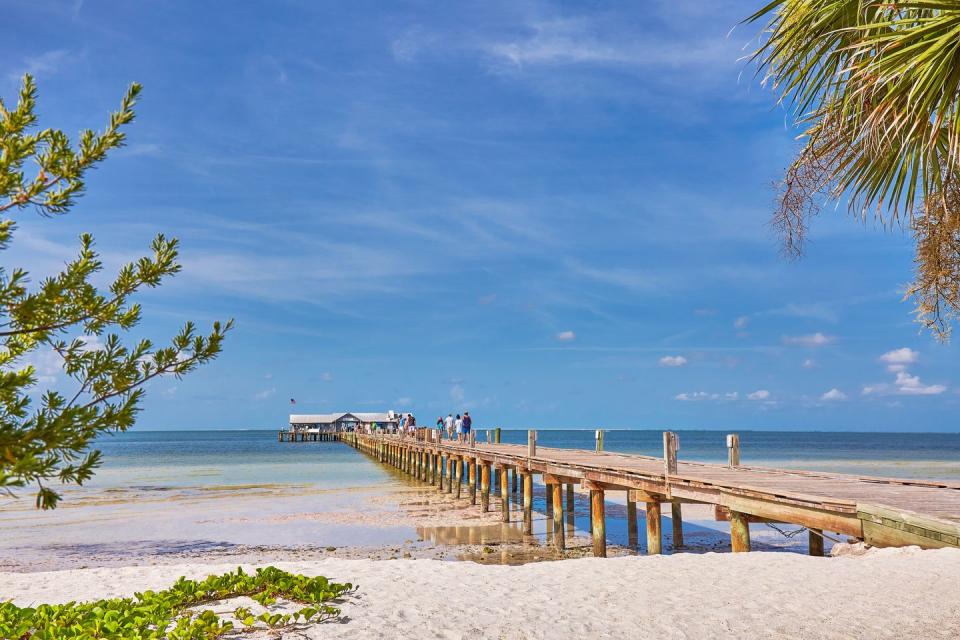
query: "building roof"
330, 418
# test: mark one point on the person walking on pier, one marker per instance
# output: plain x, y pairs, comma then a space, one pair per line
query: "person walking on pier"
458, 427
467, 424
448, 423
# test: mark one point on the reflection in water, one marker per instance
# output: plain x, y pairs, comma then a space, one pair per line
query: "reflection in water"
502, 533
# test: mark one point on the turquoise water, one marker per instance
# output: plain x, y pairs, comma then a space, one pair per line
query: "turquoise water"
196, 458
174, 492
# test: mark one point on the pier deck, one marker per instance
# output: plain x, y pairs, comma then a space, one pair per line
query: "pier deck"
882, 511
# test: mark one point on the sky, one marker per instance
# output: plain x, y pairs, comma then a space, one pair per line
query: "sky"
547, 214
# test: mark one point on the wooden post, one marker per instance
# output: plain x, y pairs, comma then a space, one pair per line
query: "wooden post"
598, 518
739, 532
450, 474
733, 450
571, 517
513, 480
459, 464
504, 494
816, 542
472, 479
485, 486
557, 491
670, 445
599, 437
654, 537
531, 443
676, 519
439, 472
590, 520
632, 536
496, 435
549, 499
528, 503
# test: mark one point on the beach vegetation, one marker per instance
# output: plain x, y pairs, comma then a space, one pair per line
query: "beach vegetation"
46, 434
875, 88
177, 613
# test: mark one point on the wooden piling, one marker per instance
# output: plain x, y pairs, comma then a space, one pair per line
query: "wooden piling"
504, 495
733, 450
485, 487
571, 516
632, 534
599, 438
496, 435
531, 443
514, 481
739, 532
472, 479
528, 503
654, 537
459, 465
676, 521
598, 518
450, 474
556, 489
815, 537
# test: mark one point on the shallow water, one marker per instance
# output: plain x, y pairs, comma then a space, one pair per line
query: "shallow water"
195, 492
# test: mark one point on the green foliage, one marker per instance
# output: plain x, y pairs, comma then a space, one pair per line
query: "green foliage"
172, 614
46, 435
876, 88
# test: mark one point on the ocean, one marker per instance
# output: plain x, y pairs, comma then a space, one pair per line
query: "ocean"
196, 458
175, 494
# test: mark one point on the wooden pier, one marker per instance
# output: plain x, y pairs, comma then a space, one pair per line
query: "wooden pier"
880, 511
308, 435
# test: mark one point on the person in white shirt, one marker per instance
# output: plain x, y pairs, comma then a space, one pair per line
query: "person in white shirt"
458, 427
448, 423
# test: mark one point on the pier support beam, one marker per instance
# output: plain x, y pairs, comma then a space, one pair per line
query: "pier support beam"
472, 479
739, 532
459, 470
504, 494
528, 503
571, 516
450, 474
676, 519
485, 487
654, 536
598, 518
514, 486
816, 542
633, 539
556, 491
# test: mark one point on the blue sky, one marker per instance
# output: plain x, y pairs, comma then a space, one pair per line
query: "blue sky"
552, 215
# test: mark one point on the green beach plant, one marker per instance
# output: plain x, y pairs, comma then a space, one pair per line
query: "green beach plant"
45, 435
176, 613
875, 86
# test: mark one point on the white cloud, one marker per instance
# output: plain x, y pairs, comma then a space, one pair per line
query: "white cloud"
904, 383
741, 322
566, 336
759, 394
809, 363
266, 393
910, 385
672, 361
898, 359
404, 402
811, 340
834, 394
457, 394
696, 396
326, 376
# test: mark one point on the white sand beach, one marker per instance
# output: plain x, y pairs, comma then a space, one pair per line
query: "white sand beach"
884, 593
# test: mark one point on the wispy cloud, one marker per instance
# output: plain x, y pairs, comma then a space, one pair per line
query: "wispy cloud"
672, 361
833, 395
811, 340
759, 394
566, 336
